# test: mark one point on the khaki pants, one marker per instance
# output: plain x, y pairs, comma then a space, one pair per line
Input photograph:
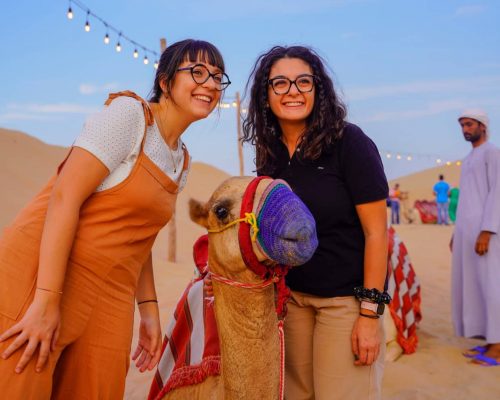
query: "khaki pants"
319, 358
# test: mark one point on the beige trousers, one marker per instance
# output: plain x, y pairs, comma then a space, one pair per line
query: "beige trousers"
318, 353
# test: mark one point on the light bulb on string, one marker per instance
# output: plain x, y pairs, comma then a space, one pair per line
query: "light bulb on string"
118, 45
87, 25
70, 13
438, 161
106, 39
136, 53
146, 61
156, 64
398, 157
409, 158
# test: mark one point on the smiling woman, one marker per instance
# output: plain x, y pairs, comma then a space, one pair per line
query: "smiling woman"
75, 259
297, 124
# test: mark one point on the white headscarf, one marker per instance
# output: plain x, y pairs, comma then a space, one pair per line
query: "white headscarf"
478, 115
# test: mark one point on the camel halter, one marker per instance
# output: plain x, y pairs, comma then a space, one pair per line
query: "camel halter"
249, 218
251, 261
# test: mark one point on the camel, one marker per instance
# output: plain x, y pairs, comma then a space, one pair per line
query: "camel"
281, 231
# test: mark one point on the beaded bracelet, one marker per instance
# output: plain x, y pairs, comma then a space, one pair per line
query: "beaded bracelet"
373, 295
147, 301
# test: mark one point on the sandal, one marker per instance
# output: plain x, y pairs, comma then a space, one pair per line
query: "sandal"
475, 351
481, 359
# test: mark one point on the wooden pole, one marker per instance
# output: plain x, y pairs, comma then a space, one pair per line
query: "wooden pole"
171, 226
240, 135
163, 44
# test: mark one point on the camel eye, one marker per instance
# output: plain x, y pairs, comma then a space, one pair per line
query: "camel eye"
221, 212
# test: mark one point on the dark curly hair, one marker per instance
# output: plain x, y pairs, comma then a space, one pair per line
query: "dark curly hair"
323, 126
186, 50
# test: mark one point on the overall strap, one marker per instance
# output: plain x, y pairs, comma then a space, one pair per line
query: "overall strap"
148, 114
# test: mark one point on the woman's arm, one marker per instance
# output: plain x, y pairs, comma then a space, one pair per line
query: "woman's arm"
78, 179
373, 217
366, 336
148, 349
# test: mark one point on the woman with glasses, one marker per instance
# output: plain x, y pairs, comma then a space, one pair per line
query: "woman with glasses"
77, 257
333, 331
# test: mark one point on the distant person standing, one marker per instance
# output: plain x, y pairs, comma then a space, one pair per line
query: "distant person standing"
452, 207
394, 197
476, 243
441, 190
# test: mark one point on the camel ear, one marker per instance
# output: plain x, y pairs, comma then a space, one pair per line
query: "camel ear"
198, 212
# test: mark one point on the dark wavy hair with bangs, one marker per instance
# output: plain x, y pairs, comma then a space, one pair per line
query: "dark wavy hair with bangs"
261, 128
174, 55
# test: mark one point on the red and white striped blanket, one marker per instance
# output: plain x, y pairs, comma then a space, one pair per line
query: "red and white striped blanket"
191, 349
404, 288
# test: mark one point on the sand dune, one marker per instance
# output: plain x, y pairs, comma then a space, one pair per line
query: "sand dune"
435, 371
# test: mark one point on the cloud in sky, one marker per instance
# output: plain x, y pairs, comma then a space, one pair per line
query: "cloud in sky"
432, 108
58, 108
471, 9
350, 35
89, 89
43, 112
20, 116
419, 87
227, 10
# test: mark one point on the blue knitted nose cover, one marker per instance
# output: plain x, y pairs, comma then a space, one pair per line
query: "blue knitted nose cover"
287, 230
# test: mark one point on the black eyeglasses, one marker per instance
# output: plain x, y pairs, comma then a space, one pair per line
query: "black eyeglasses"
282, 85
201, 74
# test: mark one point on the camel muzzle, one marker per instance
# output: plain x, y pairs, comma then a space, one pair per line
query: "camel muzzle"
287, 230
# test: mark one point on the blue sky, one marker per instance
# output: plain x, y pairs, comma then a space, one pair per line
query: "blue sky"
405, 67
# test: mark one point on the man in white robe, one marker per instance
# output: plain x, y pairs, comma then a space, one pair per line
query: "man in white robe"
476, 243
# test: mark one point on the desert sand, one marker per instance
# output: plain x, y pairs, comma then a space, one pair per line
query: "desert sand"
436, 371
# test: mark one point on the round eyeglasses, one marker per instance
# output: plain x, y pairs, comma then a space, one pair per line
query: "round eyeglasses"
201, 74
282, 85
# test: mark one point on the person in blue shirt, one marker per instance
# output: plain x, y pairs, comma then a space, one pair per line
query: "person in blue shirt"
441, 191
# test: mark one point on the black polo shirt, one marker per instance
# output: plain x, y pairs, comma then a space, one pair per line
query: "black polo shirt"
349, 173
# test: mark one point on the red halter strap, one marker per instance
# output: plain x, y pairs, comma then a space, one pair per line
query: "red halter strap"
244, 237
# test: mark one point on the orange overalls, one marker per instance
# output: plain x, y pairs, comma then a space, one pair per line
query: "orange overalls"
116, 230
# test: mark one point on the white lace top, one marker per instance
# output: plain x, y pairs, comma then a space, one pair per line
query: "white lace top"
114, 136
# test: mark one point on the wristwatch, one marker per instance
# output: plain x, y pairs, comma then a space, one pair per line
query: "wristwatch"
376, 308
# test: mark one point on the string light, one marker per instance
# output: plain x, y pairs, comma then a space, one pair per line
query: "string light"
109, 28
398, 156
87, 25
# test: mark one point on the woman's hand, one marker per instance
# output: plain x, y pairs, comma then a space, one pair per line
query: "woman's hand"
148, 351
365, 340
39, 327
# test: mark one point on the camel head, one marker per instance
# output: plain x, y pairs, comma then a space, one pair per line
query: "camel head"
281, 229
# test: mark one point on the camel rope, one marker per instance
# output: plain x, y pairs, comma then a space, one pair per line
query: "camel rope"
250, 219
230, 282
